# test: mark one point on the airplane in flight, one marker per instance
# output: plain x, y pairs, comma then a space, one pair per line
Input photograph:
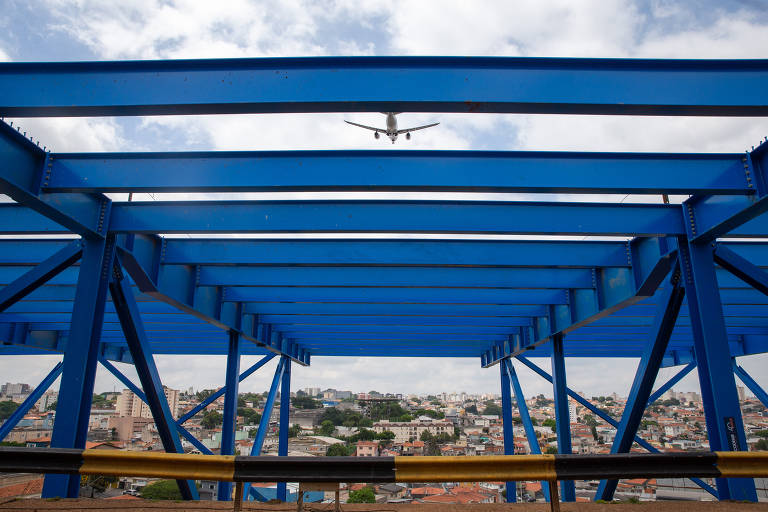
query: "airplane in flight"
391, 131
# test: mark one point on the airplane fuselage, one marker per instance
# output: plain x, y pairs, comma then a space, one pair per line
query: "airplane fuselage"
392, 126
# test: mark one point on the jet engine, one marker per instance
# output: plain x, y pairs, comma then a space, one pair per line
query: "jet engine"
376, 134
408, 136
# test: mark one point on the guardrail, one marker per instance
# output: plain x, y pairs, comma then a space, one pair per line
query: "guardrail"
385, 469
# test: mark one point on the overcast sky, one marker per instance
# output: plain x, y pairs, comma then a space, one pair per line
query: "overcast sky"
147, 29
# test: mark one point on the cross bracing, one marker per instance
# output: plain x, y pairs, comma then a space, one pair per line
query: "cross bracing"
674, 284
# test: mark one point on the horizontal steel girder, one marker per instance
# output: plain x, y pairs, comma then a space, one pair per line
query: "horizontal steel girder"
386, 84
476, 171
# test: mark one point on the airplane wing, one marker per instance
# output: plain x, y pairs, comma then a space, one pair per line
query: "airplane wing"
406, 130
379, 130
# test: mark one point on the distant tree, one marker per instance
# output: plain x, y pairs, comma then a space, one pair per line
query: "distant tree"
12, 443
365, 422
551, 449
589, 420
339, 450
472, 409
366, 435
385, 435
252, 432
7, 408
762, 433
364, 495
593, 429
250, 416
204, 393
240, 401
52, 406
294, 431
326, 428
162, 490
405, 418
426, 436
762, 445
305, 402
113, 434
670, 402
211, 419
491, 409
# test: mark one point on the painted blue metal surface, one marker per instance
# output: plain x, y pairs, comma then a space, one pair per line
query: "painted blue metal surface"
285, 424
748, 381
562, 413
79, 365
385, 84
645, 376
516, 171
507, 426
27, 404
229, 423
718, 389
671, 382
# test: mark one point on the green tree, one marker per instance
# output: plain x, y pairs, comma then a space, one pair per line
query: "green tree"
590, 420
364, 495
294, 431
211, 419
162, 490
7, 408
250, 416
52, 406
366, 435
551, 449
339, 450
305, 402
549, 422
762, 445
326, 428
762, 433
472, 409
204, 393
491, 409
385, 435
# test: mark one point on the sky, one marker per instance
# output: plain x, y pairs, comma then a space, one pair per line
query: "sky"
71, 30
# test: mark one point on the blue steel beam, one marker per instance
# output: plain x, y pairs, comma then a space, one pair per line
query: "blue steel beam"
141, 396
725, 427
553, 218
746, 378
525, 417
285, 424
26, 168
488, 171
214, 396
79, 369
671, 382
742, 268
507, 426
229, 423
40, 274
261, 433
27, 404
385, 84
346, 251
645, 376
562, 413
143, 361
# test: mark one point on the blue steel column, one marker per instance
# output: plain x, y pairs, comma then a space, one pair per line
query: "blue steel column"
285, 423
70, 428
230, 408
133, 329
507, 425
671, 382
713, 359
562, 415
33, 397
525, 417
647, 370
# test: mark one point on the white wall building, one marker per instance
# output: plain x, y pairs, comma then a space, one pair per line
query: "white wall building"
412, 430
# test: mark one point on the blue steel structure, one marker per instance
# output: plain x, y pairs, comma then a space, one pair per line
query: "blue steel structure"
671, 286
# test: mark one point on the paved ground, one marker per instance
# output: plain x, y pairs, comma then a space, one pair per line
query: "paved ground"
156, 506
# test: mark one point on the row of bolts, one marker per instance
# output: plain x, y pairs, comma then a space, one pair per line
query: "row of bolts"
18, 129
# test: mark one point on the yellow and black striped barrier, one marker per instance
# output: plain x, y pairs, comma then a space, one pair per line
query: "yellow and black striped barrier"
384, 469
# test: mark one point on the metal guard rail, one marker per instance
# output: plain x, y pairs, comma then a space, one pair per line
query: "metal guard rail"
384, 469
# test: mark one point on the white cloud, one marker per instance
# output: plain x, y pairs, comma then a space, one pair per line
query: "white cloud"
4, 57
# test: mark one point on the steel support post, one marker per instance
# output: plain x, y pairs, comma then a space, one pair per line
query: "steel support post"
525, 417
79, 365
261, 434
645, 376
138, 344
562, 415
713, 359
212, 398
230, 408
27, 404
508, 426
140, 395
746, 378
285, 423
671, 382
